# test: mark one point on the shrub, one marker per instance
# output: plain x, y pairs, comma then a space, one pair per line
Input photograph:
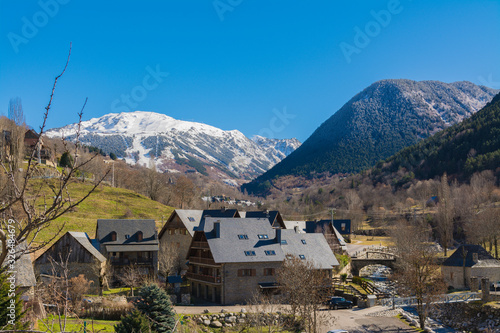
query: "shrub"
134, 322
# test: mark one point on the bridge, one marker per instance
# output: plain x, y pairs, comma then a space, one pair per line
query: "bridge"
384, 258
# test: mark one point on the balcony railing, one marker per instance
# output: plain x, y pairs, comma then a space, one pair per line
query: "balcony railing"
201, 245
205, 278
207, 261
135, 261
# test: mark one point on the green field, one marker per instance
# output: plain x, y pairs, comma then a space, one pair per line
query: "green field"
105, 203
77, 325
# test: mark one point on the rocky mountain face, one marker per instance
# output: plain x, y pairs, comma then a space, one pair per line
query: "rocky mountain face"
180, 146
381, 120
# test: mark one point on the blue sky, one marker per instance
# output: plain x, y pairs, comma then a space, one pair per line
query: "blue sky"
278, 68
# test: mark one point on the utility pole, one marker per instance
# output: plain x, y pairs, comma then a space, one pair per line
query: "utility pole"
113, 181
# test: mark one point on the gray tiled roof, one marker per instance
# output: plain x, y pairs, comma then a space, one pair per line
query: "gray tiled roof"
456, 259
124, 227
132, 248
190, 219
85, 241
228, 248
301, 225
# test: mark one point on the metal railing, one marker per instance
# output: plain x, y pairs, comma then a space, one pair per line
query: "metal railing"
446, 298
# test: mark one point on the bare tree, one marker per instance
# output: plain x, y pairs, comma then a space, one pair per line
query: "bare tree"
170, 260
32, 204
131, 277
303, 286
417, 272
184, 191
354, 208
444, 218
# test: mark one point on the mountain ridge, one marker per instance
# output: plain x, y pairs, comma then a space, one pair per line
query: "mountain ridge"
177, 145
382, 119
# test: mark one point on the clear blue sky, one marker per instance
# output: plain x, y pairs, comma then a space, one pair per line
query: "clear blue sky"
230, 63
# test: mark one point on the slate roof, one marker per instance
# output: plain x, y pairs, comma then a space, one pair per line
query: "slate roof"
191, 218
228, 248
271, 215
124, 227
301, 225
86, 242
23, 267
456, 259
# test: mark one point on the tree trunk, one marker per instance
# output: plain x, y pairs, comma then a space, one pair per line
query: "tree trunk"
496, 246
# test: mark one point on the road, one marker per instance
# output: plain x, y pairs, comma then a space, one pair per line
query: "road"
354, 320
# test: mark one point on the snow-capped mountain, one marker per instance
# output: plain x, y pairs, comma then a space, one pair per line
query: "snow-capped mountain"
179, 145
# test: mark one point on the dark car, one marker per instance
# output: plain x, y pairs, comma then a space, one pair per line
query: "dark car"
339, 302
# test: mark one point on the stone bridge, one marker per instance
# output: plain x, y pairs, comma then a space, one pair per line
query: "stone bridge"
378, 258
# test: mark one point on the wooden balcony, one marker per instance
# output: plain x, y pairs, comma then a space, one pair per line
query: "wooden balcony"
204, 278
126, 262
200, 245
205, 261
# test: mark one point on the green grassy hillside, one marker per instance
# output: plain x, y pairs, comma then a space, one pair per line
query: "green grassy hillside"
105, 203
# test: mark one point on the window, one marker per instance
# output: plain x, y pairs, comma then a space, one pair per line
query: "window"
250, 253
301, 256
191, 219
270, 253
246, 272
268, 271
114, 254
263, 237
284, 242
127, 236
139, 236
289, 256
343, 226
170, 231
304, 241
113, 236
242, 236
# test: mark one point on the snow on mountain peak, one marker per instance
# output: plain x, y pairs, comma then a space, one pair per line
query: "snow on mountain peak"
139, 135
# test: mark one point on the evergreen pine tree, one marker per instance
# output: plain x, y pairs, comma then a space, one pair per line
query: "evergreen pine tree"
156, 305
134, 322
6, 313
66, 160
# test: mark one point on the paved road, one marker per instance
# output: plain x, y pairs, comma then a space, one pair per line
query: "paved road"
357, 321
354, 320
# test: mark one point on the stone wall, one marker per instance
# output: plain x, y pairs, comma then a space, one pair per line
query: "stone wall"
180, 238
241, 289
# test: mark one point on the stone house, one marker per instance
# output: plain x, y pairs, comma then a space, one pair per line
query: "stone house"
179, 229
470, 261
22, 270
84, 258
232, 259
129, 242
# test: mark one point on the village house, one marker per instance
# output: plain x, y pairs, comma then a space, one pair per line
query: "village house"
470, 261
129, 243
23, 272
232, 259
33, 142
179, 229
84, 258
274, 217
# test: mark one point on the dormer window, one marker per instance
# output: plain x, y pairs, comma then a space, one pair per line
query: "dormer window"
139, 236
113, 236
127, 236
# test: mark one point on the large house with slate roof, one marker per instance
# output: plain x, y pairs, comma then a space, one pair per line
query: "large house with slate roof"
179, 229
328, 228
83, 257
470, 261
231, 259
129, 242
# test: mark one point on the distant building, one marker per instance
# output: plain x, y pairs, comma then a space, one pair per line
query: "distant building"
470, 261
129, 242
232, 259
332, 235
84, 258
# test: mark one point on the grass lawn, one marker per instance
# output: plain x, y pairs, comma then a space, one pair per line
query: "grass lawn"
77, 325
371, 240
105, 203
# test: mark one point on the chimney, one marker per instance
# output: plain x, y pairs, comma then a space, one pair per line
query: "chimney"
296, 229
217, 229
475, 258
278, 236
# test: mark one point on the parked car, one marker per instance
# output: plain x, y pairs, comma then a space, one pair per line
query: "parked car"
339, 302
